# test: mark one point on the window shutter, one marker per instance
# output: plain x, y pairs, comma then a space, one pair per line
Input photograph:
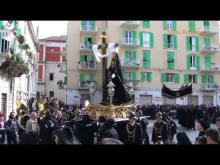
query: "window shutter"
135, 57
163, 77
142, 76
203, 79
211, 79
126, 56
151, 40
197, 43
165, 41
146, 24
164, 25
175, 41
174, 25
1, 25
188, 43
91, 76
133, 75
186, 78
188, 61
196, 78
207, 62
65, 80
150, 75
141, 39
197, 62
81, 77
170, 61
146, 58
177, 78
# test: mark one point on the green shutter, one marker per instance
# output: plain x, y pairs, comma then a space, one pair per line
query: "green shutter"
165, 41
141, 39
163, 77
196, 78
133, 34
207, 62
164, 25
146, 24
83, 24
81, 77
175, 41
207, 41
126, 56
149, 76
151, 40
211, 79
133, 75
146, 58
186, 78
203, 79
197, 62
81, 59
192, 27
170, 60
197, 43
0, 42
174, 25
135, 57
206, 25
177, 78
188, 62
92, 23
85, 40
1, 25
91, 76
188, 43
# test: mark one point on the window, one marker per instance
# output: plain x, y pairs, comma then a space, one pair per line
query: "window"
206, 25
129, 76
169, 41
170, 60
190, 78
130, 58
130, 37
51, 76
207, 42
146, 40
4, 44
192, 26
146, 58
192, 43
170, 24
193, 62
170, 77
51, 94
146, 76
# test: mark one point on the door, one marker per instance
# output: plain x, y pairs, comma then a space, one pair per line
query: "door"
145, 99
168, 101
193, 100
208, 100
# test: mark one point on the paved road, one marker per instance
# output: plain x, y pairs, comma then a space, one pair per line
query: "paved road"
191, 133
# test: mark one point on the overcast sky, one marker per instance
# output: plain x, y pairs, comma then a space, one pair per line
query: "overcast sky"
51, 28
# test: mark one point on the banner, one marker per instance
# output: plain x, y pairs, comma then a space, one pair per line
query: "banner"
183, 91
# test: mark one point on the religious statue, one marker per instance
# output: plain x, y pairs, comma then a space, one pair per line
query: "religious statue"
115, 75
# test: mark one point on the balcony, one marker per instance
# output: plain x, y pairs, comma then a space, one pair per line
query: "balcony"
209, 87
86, 84
90, 65
210, 49
88, 29
4, 47
129, 24
134, 83
131, 65
213, 68
86, 48
211, 30
129, 42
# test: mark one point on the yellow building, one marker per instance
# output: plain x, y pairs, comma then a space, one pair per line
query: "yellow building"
151, 53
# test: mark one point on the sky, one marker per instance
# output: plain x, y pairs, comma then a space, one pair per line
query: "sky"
51, 28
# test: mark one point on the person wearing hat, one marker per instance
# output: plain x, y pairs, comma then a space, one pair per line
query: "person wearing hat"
201, 126
133, 131
160, 131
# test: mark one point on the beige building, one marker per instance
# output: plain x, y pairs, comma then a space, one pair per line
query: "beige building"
151, 53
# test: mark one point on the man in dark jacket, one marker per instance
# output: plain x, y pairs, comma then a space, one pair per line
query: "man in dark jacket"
144, 123
12, 128
134, 131
108, 130
159, 131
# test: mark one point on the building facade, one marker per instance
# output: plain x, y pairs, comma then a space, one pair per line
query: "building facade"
18, 40
52, 68
152, 53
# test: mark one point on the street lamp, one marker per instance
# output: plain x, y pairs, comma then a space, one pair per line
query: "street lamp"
111, 91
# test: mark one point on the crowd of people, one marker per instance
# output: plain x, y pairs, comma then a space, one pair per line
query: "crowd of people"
63, 124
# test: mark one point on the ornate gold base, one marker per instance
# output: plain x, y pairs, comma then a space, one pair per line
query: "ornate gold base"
109, 111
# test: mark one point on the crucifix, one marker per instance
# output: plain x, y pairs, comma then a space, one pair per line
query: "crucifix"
103, 47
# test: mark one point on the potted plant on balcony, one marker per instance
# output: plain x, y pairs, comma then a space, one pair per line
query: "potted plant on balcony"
25, 46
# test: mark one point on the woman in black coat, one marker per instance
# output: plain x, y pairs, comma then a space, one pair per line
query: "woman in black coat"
108, 130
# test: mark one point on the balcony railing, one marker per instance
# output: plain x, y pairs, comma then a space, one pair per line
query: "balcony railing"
210, 49
86, 84
209, 30
90, 65
86, 47
209, 86
88, 28
4, 47
130, 42
131, 64
129, 24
